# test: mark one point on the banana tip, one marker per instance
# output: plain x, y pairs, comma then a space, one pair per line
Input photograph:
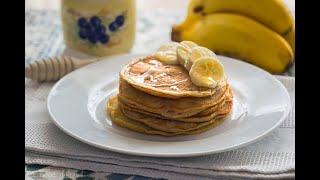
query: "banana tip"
289, 65
175, 34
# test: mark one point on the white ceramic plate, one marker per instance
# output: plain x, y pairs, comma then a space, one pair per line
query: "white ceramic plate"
77, 105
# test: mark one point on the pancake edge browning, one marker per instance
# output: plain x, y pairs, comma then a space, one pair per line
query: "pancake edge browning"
171, 108
165, 93
114, 110
202, 116
167, 125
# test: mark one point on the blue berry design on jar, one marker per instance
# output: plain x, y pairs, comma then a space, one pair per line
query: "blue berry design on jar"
92, 30
120, 20
117, 23
104, 38
113, 26
98, 29
95, 21
82, 22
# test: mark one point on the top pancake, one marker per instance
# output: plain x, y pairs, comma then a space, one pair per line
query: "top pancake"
148, 74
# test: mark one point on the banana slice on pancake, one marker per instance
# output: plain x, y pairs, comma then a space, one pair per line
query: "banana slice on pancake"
199, 51
183, 53
206, 72
167, 53
187, 55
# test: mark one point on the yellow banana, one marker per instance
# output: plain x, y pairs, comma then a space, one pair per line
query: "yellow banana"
290, 37
240, 37
272, 13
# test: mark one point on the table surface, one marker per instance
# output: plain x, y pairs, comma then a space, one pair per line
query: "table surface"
34, 171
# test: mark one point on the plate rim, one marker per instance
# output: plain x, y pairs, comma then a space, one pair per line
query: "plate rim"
190, 154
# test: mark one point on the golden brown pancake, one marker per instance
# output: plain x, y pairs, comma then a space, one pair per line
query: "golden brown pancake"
160, 99
171, 108
165, 112
222, 108
119, 118
149, 75
166, 124
163, 124
228, 97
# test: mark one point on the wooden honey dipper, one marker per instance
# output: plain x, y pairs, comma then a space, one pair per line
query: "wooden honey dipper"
54, 68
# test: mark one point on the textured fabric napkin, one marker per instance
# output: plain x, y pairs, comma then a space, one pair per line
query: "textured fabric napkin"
271, 157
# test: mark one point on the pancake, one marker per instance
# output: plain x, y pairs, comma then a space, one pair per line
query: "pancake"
149, 75
120, 119
165, 124
223, 108
164, 112
193, 118
228, 97
172, 108
160, 99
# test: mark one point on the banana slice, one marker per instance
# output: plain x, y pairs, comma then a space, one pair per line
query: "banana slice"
206, 72
183, 56
199, 51
189, 44
183, 52
167, 53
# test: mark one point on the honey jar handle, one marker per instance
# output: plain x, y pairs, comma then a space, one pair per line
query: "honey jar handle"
54, 68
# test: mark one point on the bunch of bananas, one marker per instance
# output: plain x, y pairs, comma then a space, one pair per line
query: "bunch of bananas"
261, 32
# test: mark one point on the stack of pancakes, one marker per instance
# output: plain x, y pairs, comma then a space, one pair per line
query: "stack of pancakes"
157, 98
